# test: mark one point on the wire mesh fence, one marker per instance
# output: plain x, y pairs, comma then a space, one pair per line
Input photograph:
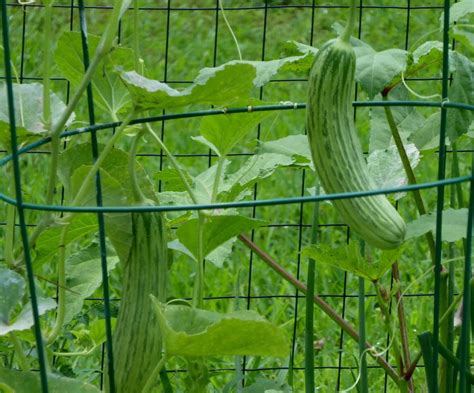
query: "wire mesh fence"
176, 39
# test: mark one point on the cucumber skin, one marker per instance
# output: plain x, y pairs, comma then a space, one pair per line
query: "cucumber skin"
137, 340
337, 152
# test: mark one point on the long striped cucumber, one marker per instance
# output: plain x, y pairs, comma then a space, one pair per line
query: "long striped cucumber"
137, 340
336, 149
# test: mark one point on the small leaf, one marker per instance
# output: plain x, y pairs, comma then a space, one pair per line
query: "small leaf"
217, 230
191, 332
454, 225
427, 137
12, 289
29, 382
28, 102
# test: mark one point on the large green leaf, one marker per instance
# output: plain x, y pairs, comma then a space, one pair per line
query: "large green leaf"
375, 70
454, 225
29, 382
12, 289
84, 276
192, 332
217, 230
349, 258
215, 86
28, 102
461, 20
109, 92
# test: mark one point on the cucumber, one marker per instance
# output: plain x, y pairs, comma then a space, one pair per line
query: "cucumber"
336, 149
137, 340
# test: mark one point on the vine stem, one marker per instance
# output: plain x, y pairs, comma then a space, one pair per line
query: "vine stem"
346, 34
383, 303
408, 171
22, 359
215, 186
325, 307
402, 325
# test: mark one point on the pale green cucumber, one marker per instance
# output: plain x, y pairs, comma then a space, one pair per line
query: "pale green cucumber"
336, 149
137, 341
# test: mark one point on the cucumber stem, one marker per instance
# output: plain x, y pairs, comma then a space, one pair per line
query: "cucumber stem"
346, 34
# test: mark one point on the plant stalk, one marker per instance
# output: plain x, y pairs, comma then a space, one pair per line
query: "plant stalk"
325, 307
346, 34
409, 172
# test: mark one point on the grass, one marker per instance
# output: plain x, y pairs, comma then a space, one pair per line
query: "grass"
191, 46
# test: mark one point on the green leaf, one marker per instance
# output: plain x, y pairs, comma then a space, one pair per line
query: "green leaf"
217, 257
217, 230
258, 167
29, 382
293, 146
461, 90
454, 225
12, 289
80, 227
304, 55
215, 86
109, 92
84, 276
113, 194
116, 165
225, 132
349, 259
24, 320
375, 70
427, 137
386, 168
28, 102
458, 11
464, 34
191, 332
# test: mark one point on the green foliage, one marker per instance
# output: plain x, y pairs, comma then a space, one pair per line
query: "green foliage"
191, 332
29, 381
